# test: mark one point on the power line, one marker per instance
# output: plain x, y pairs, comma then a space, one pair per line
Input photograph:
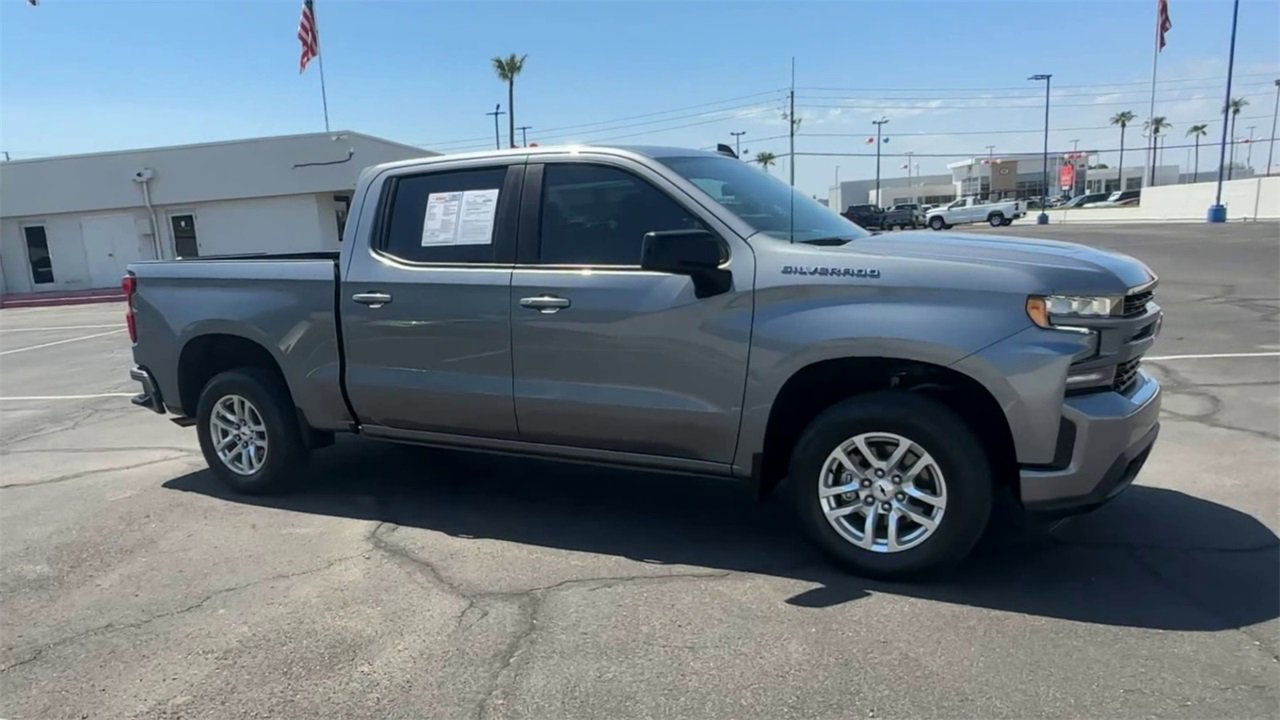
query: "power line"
1096, 151
1143, 93
1012, 132
1146, 83
986, 106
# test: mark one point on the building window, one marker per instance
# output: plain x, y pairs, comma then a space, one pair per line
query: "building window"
184, 236
1133, 183
38, 255
341, 207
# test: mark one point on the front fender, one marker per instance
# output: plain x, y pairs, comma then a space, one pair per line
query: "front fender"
794, 330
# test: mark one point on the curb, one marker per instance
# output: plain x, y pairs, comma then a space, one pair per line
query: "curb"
29, 302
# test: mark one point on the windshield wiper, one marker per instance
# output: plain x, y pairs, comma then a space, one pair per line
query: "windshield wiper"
829, 241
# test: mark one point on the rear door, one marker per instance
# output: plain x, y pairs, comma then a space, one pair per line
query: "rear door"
424, 306
611, 357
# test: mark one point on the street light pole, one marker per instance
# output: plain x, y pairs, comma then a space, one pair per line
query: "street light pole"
524, 134
737, 142
1248, 154
497, 111
1043, 217
879, 124
1272, 150
1217, 211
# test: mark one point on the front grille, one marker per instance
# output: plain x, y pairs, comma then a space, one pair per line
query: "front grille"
1136, 304
1126, 375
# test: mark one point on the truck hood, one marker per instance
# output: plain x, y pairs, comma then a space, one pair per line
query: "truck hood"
1064, 267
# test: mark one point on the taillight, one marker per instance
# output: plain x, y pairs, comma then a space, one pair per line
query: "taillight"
129, 284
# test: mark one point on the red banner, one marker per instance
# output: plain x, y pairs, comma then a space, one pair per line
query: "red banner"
1067, 176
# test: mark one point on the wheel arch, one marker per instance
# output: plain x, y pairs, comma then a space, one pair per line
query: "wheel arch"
204, 356
817, 386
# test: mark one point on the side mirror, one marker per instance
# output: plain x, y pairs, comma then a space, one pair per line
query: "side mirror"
696, 253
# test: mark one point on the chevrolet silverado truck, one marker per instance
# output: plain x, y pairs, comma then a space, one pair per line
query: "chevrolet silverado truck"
969, 210
677, 311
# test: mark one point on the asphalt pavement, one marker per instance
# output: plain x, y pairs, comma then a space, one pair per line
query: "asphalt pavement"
405, 582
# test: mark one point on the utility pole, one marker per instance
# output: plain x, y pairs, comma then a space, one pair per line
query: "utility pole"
879, 125
837, 176
737, 142
1075, 146
911, 183
794, 123
524, 134
497, 139
1248, 155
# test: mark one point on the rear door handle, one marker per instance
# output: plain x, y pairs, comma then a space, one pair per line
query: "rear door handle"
545, 304
372, 299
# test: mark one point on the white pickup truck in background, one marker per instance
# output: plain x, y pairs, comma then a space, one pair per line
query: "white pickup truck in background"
969, 210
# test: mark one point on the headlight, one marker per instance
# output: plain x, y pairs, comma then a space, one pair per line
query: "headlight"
1047, 310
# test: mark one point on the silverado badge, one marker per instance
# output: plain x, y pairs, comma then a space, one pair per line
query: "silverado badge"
821, 271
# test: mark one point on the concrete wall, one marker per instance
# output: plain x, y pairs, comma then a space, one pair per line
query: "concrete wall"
289, 223
1257, 197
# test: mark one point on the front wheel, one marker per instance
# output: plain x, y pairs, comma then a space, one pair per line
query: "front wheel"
891, 484
249, 431
936, 223
1007, 222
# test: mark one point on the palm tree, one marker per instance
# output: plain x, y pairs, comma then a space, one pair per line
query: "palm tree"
1153, 127
1197, 131
1122, 119
1234, 106
508, 68
766, 159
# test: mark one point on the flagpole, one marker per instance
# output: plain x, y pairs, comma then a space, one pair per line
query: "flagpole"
324, 95
1155, 61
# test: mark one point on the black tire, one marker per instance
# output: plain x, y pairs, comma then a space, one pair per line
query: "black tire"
933, 427
286, 454
937, 223
995, 219
1007, 222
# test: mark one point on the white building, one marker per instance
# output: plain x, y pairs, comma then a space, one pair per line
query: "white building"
924, 189
1021, 175
75, 222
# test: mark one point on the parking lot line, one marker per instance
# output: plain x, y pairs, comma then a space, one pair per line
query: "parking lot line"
1215, 356
60, 327
60, 342
66, 397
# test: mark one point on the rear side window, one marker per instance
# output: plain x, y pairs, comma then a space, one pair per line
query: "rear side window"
447, 217
599, 215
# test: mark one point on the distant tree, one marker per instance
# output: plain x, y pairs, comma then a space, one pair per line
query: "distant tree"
766, 160
1122, 119
1153, 128
1234, 106
507, 69
1197, 132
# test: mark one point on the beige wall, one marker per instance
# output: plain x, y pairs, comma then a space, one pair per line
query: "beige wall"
1257, 197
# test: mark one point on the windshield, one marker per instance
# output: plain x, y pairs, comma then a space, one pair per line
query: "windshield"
765, 203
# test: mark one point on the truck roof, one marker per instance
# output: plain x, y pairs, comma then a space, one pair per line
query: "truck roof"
647, 151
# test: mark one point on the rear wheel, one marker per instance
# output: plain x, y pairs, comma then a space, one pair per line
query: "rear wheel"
996, 220
1007, 222
891, 484
249, 431
936, 223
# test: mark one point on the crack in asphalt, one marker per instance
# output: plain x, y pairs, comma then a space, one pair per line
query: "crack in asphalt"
1177, 383
88, 473
115, 627
528, 604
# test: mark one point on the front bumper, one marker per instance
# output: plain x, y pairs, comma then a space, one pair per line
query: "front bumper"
1113, 435
150, 396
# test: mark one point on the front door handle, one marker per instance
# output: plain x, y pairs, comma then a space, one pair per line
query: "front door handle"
372, 299
545, 304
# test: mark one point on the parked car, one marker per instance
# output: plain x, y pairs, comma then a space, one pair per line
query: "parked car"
1080, 201
970, 210
902, 216
732, 327
1121, 198
870, 217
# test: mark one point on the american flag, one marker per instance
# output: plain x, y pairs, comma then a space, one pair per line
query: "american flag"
307, 35
1163, 23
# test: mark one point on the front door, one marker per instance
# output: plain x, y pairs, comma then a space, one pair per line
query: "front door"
611, 357
425, 319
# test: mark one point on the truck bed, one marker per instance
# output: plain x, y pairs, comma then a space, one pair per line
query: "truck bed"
285, 303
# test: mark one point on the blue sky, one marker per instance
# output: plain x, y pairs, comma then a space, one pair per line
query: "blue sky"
88, 75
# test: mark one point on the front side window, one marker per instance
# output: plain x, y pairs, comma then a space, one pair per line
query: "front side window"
444, 217
762, 201
599, 215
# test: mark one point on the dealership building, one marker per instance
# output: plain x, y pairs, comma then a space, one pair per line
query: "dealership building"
75, 222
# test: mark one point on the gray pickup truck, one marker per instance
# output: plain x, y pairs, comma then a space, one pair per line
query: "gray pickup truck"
678, 311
